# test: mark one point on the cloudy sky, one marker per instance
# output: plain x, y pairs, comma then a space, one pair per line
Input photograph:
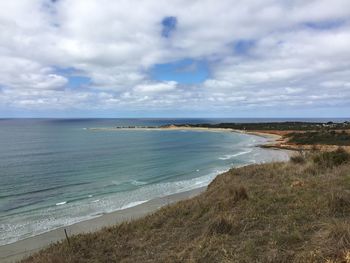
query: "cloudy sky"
179, 58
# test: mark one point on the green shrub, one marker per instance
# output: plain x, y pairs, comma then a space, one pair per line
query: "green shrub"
320, 137
297, 159
331, 159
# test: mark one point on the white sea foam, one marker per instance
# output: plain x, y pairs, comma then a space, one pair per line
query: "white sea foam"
133, 204
137, 183
61, 203
230, 156
114, 183
74, 212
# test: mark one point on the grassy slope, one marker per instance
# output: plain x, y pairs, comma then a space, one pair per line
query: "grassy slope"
279, 212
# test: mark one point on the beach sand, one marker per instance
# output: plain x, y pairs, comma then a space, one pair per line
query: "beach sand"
270, 136
175, 128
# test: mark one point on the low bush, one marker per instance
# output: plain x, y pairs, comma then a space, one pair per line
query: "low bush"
297, 159
331, 159
320, 137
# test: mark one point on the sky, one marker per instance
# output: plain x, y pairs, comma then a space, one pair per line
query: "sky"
151, 58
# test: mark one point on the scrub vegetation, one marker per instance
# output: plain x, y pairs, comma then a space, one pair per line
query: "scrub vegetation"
272, 126
320, 137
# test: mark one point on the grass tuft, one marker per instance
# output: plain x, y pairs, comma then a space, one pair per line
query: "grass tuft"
339, 203
220, 225
299, 158
240, 194
332, 241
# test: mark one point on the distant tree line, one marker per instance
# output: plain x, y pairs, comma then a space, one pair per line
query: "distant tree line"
282, 126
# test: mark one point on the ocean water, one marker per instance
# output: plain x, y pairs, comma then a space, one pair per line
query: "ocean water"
56, 172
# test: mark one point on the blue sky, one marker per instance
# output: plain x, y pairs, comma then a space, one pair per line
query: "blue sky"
175, 59
325, 25
168, 26
185, 71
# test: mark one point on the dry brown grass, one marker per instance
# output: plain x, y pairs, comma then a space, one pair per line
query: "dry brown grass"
249, 214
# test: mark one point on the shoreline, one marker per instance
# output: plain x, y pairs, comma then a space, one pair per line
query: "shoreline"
20, 249
180, 128
267, 135
177, 128
275, 141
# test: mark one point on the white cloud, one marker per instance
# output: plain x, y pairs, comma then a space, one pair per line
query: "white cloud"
114, 43
156, 87
18, 73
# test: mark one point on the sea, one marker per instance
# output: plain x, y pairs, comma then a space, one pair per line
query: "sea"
57, 172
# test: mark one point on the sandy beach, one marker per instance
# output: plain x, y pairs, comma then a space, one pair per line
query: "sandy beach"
274, 140
171, 128
270, 136
20, 249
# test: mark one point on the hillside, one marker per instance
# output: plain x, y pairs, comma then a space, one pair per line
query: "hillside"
297, 211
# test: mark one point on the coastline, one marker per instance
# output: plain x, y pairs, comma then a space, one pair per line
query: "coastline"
176, 128
271, 136
274, 140
23, 248
180, 128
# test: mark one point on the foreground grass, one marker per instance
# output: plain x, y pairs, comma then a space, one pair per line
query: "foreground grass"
297, 211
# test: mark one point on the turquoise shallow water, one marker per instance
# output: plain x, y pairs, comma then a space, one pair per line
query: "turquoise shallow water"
57, 172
